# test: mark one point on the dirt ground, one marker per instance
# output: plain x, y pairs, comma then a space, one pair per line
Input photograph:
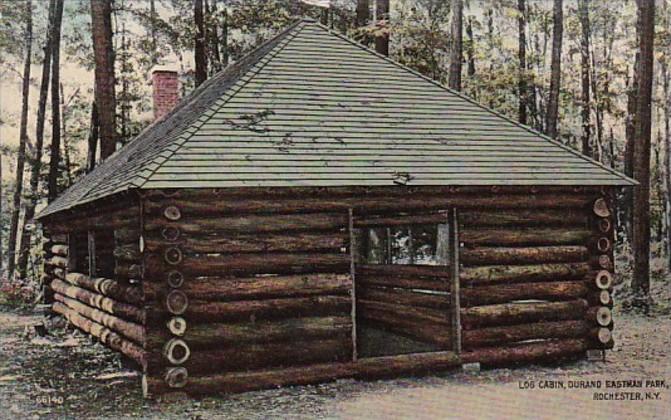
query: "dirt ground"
64, 375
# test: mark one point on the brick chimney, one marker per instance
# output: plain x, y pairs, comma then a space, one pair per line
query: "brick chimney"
165, 84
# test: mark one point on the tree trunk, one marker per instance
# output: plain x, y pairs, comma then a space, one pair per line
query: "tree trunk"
454, 78
522, 90
470, 51
199, 42
641, 231
23, 139
105, 98
555, 77
224, 39
64, 139
382, 41
362, 13
93, 138
36, 160
154, 44
54, 160
583, 13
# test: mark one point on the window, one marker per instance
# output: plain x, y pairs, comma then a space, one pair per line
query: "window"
403, 244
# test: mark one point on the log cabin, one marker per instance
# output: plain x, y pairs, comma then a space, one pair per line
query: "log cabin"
319, 211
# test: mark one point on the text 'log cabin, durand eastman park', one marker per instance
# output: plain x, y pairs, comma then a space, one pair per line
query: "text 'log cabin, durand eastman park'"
318, 211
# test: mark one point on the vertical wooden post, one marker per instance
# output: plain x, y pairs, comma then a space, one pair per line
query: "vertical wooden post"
353, 275
389, 257
455, 319
411, 246
92, 253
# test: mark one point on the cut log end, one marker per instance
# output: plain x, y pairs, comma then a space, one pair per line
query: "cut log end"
177, 377
604, 335
604, 297
605, 262
175, 279
177, 302
604, 316
177, 326
170, 233
173, 256
172, 213
603, 280
176, 351
603, 244
604, 225
601, 208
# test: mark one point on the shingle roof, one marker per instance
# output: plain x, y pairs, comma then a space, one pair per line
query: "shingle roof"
312, 108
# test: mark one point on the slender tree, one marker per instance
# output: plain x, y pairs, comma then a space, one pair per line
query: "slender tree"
555, 69
154, 43
23, 139
55, 158
224, 39
92, 138
522, 57
583, 14
105, 97
199, 41
470, 49
362, 13
36, 159
382, 41
456, 42
641, 220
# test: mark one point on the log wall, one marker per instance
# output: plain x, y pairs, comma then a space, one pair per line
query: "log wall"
230, 290
532, 276
240, 291
85, 290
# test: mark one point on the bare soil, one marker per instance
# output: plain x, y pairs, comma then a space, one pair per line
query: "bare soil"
66, 375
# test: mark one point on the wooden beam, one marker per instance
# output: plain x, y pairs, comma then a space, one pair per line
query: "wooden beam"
455, 245
352, 270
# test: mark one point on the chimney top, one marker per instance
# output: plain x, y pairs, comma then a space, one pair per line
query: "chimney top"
165, 86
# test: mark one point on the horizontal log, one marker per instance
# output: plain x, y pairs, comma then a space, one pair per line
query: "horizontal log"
398, 191
128, 252
127, 235
496, 336
252, 224
413, 314
200, 336
517, 313
58, 238
206, 205
502, 293
295, 352
200, 311
524, 236
548, 351
367, 368
59, 262
130, 330
527, 255
237, 264
60, 250
232, 288
405, 270
403, 297
396, 323
497, 274
128, 271
105, 335
438, 285
234, 243
111, 306
376, 221
123, 218
106, 287
523, 217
